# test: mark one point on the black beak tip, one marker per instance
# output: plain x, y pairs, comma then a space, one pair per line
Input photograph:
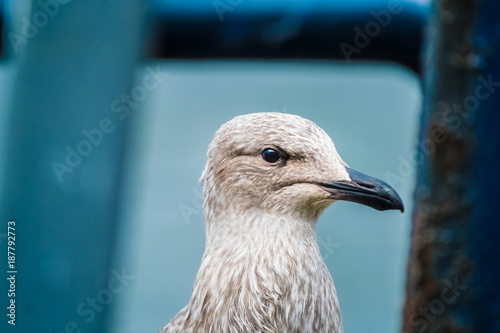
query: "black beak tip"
399, 206
392, 203
393, 197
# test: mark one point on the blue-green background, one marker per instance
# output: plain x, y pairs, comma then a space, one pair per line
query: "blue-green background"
369, 110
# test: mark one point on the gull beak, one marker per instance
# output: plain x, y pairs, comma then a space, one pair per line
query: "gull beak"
365, 190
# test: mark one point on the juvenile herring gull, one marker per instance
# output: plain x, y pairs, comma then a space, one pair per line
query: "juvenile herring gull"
267, 179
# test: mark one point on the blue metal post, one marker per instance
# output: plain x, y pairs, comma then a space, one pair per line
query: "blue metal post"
453, 280
63, 159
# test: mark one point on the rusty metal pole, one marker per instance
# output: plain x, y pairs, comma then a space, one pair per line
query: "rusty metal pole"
453, 282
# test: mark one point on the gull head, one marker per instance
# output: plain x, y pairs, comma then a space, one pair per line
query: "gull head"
283, 164
267, 179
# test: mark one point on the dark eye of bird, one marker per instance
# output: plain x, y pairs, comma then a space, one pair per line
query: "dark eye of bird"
270, 155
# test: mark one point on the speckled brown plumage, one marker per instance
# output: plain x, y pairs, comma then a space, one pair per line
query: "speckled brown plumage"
262, 270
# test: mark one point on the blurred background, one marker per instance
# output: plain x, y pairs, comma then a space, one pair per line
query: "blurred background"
106, 112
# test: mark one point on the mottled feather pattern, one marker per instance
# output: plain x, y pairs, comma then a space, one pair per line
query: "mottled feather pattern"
262, 270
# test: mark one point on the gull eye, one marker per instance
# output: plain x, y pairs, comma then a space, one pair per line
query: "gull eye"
270, 155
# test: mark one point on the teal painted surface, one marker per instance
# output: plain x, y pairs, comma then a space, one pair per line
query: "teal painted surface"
370, 111
67, 73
